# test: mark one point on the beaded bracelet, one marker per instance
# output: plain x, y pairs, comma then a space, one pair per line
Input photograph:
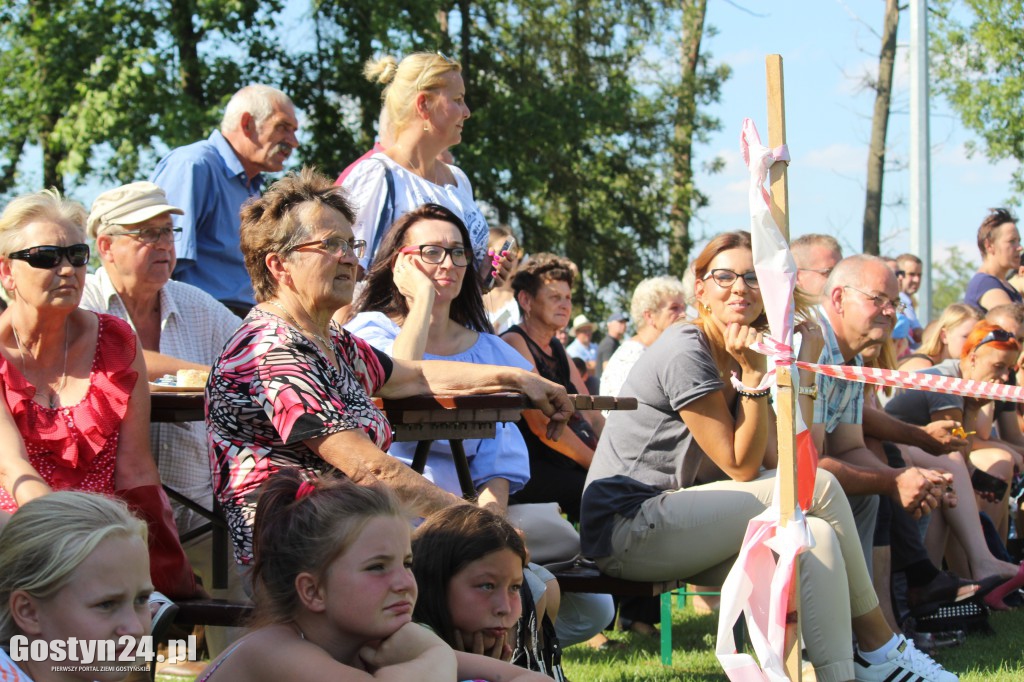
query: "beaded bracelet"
764, 393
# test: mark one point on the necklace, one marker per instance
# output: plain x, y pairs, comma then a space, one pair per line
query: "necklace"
55, 394
294, 323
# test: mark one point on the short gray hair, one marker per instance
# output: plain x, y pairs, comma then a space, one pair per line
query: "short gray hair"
650, 294
256, 100
804, 243
848, 271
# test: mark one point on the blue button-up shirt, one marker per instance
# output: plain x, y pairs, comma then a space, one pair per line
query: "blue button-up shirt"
839, 401
206, 180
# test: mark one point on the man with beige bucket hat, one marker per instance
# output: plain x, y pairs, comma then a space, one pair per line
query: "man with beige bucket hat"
179, 326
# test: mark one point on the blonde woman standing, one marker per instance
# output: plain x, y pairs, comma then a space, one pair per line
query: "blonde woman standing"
425, 109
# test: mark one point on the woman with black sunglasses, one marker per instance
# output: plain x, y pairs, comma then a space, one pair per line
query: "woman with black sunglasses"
73, 384
989, 354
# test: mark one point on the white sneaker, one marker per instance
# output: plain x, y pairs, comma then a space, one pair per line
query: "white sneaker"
904, 664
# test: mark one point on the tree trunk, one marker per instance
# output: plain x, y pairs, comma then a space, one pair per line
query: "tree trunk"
466, 38
187, 39
879, 128
52, 155
686, 114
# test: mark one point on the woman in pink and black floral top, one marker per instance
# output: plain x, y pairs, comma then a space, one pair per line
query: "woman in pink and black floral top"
292, 389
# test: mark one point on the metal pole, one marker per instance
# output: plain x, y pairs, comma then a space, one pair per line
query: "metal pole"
920, 171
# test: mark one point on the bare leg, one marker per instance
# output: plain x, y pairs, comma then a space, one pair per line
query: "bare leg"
963, 518
871, 630
880, 577
999, 463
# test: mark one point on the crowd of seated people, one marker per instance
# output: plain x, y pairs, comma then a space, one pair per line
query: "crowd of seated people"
321, 505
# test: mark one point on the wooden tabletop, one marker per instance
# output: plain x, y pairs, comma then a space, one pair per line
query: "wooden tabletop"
417, 411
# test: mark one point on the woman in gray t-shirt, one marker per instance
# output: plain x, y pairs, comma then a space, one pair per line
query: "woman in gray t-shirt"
649, 512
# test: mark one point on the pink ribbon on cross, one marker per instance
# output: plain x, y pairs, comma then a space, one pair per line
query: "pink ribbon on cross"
759, 584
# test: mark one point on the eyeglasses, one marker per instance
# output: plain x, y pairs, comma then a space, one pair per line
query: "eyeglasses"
337, 247
824, 272
881, 302
434, 254
48, 256
726, 278
150, 235
1000, 335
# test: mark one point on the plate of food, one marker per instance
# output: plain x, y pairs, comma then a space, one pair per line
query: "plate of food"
185, 381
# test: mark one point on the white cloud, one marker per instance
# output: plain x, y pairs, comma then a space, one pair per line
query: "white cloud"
840, 158
740, 58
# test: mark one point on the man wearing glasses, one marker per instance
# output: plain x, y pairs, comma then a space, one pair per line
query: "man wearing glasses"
815, 256
860, 302
212, 178
179, 326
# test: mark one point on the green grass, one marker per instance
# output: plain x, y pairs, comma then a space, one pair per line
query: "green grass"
983, 658
989, 658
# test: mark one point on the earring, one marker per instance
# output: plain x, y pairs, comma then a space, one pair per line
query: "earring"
706, 308
426, 127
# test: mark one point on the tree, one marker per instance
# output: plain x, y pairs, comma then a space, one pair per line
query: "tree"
699, 84
98, 84
340, 106
977, 53
950, 280
879, 128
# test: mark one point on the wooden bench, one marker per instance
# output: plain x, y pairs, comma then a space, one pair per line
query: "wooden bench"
424, 419
212, 612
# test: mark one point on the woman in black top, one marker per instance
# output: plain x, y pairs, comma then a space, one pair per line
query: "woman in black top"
558, 469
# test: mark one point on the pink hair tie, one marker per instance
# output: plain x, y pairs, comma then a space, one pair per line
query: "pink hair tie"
305, 488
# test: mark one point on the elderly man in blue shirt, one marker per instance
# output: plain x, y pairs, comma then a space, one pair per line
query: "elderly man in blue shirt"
212, 178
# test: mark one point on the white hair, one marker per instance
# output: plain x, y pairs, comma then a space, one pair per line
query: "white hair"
257, 100
651, 293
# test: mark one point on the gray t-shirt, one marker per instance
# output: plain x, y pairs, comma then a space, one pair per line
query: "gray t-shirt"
917, 407
649, 450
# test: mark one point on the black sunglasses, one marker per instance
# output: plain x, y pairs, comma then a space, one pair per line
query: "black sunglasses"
45, 257
1000, 335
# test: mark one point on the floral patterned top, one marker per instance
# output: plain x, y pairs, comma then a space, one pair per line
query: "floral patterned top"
271, 390
74, 447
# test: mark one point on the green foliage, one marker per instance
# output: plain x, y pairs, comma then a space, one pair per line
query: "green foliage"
950, 278
978, 64
575, 102
98, 84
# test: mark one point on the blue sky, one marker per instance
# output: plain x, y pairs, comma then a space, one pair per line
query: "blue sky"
827, 46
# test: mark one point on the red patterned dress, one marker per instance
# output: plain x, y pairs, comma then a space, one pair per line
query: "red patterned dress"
271, 390
74, 447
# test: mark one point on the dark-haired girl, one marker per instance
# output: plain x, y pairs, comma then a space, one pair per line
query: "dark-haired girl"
470, 563
334, 593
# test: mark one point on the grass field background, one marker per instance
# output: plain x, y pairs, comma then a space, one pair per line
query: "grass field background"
983, 658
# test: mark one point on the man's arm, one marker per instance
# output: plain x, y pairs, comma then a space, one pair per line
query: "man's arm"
935, 438
158, 364
860, 472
